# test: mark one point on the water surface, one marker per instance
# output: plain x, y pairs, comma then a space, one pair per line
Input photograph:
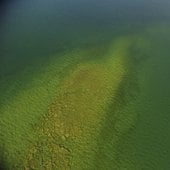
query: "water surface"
43, 42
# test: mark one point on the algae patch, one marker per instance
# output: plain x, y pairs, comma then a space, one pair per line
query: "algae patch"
67, 137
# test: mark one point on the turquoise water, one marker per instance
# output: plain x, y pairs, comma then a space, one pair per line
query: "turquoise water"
33, 32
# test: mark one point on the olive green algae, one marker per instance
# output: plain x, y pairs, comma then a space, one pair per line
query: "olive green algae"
82, 113
68, 135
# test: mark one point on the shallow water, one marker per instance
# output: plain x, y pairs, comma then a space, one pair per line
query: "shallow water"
43, 43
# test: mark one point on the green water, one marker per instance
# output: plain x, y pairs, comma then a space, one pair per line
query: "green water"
43, 43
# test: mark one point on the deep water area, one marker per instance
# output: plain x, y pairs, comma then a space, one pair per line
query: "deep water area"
84, 85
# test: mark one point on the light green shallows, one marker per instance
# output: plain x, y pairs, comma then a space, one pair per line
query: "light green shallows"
58, 119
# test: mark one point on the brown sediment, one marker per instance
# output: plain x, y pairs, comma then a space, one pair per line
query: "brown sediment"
72, 125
